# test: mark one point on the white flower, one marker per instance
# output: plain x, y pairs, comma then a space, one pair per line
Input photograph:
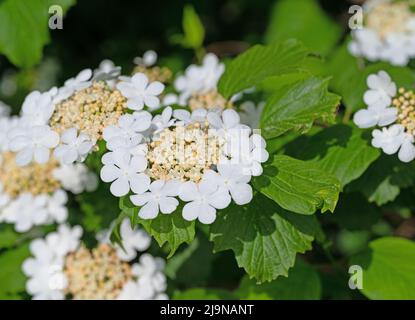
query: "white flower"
34, 143
248, 152
203, 199
151, 280
170, 99
7, 125
80, 82
73, 147
76, 178
45, 269
57, 206
27, 211
407, 150
199, 79
45, 272
65, 240
140, 92
37, 108
132, 241
159, 198
108, 72
163, 120
382, 90
251, 114
389, 139
395, 49
149, 58
126, 173
373, 116
129, 126
366, 43
231, 177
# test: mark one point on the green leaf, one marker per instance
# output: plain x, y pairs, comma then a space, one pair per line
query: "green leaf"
305, 21
384, 179
12, 279
8, 236
98, 208
348, 70
203, 294
264, 237
298, 186
260, 62
194, 33
388, 269
18, 20
191, 266
169, 229
303, 283
342, 150
298, 106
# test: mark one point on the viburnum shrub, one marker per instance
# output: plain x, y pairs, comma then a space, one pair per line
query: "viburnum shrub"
283, 170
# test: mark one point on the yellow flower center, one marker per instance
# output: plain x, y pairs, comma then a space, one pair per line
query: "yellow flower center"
183, 153
386, 18
98, 274
155, 73
210, 100
89, 110
405, 103
34, 178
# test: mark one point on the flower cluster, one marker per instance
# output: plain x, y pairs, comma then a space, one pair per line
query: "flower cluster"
392, 109
388, 33
204, 158
34, 194
62, 267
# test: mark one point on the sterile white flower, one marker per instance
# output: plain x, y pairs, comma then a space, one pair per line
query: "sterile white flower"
373, 116
73, 147
389, 139
199, 79
163, 120
37, 108
160, 197
81, 81
149, 58
140, 92
203, 200
129, 126
133, 240
26, 211
45, 269
57, 206
232, 178
381, 90
76, 178
125, 173
108, 72
33, 144
251, 114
